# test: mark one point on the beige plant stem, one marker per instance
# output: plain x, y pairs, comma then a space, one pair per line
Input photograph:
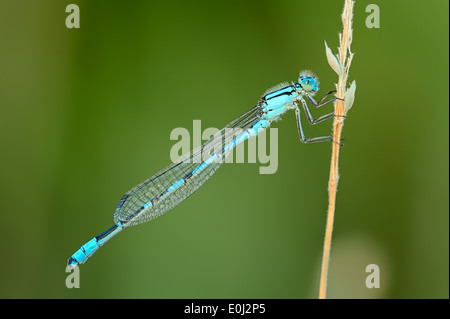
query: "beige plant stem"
341, 65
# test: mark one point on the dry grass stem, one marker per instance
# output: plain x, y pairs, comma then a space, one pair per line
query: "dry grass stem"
344, 102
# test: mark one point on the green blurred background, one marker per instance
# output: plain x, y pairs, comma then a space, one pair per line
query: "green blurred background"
86, 114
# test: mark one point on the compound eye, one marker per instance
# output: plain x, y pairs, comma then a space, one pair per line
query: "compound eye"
308, 81
309, 84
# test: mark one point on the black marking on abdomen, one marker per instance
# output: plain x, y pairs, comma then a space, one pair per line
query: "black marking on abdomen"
104, 234
187, 177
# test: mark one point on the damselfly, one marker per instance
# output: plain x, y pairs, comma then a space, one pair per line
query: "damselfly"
170, 186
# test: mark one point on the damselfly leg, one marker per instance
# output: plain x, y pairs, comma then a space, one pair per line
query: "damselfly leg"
313, 121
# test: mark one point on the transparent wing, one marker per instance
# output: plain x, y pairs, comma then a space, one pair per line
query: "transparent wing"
156, 195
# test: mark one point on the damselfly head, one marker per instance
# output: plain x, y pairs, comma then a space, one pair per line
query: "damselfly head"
309, 81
